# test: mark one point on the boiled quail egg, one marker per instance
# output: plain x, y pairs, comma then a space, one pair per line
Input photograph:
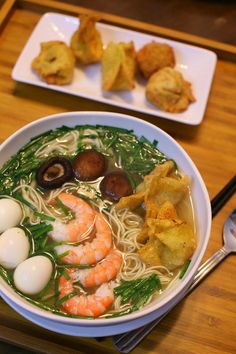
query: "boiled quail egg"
32, 275
14, 247
10, 213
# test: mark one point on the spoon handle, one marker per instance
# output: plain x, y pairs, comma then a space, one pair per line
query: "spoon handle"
208, 266
129, 340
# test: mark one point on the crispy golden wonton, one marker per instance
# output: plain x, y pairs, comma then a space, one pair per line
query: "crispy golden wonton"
55, 63
168, 90
118, 67
153, 57
167, 239
86, 42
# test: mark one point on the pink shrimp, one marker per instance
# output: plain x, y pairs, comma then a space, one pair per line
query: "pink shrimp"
75, 229
102, 273
85, 305
90, 252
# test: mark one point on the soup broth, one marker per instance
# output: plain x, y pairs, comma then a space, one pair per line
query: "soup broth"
105, 259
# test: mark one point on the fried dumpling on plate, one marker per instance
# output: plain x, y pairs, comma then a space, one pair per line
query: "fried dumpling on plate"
118, 67
168, 90
153, 57
55, 63
86, 42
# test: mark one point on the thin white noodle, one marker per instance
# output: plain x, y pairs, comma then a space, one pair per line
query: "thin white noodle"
127, 226
65, 145
31, 195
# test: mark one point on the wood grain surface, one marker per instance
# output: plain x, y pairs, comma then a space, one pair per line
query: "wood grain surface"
205, 321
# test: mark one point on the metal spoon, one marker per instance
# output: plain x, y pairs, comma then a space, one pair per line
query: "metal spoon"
124, 343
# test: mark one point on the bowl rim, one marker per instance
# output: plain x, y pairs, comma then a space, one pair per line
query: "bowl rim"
21, 302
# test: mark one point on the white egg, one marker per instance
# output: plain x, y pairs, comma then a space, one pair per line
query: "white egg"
32, 275
10, 213
14, 247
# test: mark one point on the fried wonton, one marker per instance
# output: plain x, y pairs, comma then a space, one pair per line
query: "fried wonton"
159, 171
168, 90
167, 211
158, 187
171, 243
86, 42
163, 217
150, 252
153, 57
164, 189
54, 63
179, 244
168, 240
118, 67
158, 225
131, 202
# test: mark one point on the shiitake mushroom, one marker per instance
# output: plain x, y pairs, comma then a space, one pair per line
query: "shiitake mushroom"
54, 172
89, 165
115, 185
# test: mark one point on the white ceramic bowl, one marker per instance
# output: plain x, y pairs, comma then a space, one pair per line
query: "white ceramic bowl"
202, 210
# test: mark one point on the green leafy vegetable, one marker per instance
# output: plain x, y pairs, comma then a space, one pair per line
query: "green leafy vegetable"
62, 206
185, 268
64, 254
24, 201
78, 266
137, 292
65, 274
39, 234
44, 216
65, 298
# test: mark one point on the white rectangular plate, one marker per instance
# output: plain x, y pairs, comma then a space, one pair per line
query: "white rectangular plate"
196, 64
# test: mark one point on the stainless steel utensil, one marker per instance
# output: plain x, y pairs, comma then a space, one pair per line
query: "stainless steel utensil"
129, 340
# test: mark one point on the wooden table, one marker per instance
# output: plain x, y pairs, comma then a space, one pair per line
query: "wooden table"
206, 321
212, 19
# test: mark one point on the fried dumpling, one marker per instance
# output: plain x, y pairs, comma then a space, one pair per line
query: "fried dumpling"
131, 202
55, 63
167, 238
135, 200
159, 171
118, 67
171, 242
86, 42
179, 244
167, 188
150, 252
168, 90
153, 57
